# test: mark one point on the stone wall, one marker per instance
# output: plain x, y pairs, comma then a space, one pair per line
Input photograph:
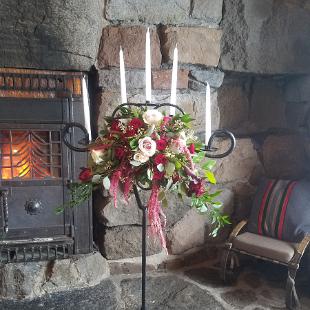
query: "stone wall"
254, 54
232, 45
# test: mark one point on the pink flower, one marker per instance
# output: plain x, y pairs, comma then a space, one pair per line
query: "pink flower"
166, 120
147, 146
115, 126
158, 175
133, 127
85, 175
191, 148
160, 159
197, 188
161, 144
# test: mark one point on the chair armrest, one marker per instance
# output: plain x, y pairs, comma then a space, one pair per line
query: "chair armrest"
236, 230
303, 244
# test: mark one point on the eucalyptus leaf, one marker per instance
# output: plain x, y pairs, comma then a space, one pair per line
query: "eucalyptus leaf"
149, 173
198, 157
169, 183
160, 167
209, 165
210, 176
165, 203
135, 163
96, 178
170, 168
106, 183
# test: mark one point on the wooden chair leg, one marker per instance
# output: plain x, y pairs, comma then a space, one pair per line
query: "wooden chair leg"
224, 260
291, 298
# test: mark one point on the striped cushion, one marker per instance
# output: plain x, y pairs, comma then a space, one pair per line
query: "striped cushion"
281, 210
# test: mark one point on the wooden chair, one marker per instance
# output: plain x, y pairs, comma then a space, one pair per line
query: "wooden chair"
270, 249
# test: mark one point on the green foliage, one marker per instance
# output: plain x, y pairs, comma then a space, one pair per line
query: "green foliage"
80, 192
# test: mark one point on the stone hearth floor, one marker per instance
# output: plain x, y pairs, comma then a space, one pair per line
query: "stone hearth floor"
259, 286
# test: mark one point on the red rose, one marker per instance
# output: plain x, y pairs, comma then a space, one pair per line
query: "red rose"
197, 188
160, 159
115, 126
133, 127
136, 123
85, 175
158, 175
119, 152
166, 120
161, 144
191, 148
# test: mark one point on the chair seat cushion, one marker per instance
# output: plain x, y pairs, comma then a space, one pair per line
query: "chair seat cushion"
281, 210
264, 246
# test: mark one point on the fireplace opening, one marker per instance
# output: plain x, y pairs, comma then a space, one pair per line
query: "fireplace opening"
30, 154
36, 166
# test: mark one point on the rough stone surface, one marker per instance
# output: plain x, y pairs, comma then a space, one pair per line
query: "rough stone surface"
102, 296
241, 164
50, 34
130, 214
267, 105
161, 79
298, 89
155, 12
204, 45
239, 298
135, 79
233, 103
168, 292
192, 103
27, 280
110, 79
284, 157
194, 228
125, 241
132, 40
209, 10
265, 36
260, 286
198, 79
124, 214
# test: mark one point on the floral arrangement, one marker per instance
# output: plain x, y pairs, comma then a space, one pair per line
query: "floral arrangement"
147, 148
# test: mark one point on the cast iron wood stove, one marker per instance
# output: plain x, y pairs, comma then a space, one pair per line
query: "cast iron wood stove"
36, 166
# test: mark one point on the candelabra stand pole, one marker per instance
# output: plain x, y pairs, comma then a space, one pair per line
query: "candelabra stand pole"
144, 210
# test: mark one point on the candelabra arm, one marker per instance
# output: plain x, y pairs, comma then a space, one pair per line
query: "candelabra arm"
224, 134
146, 104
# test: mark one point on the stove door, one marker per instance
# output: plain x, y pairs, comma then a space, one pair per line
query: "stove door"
33, 173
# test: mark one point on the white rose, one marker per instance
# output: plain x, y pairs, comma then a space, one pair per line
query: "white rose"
147, 146
140, 157
177, 146
96, 156
152, 117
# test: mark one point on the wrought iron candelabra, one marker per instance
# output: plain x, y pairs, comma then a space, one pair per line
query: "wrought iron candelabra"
211, 152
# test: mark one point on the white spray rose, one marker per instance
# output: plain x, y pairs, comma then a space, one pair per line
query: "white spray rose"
177, 146
147, 146
152, 117
140, 157
97, 156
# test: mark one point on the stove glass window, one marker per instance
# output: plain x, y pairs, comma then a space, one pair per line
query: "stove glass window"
30, 154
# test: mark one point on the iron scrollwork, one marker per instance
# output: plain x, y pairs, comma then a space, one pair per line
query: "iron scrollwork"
66, 134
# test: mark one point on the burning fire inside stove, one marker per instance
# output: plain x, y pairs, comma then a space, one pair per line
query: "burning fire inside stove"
29, 154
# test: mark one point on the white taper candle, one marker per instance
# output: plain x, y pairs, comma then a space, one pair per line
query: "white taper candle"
148, 92
174, 79
122, 74
208, 114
